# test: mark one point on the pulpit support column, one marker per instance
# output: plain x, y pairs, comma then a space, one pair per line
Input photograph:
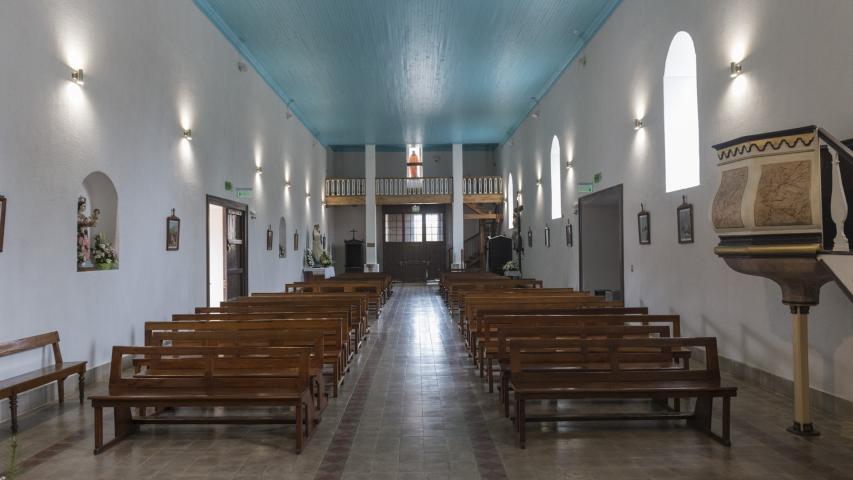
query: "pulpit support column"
802, 409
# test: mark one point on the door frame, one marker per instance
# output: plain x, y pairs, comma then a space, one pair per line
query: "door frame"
225, 203
618, 189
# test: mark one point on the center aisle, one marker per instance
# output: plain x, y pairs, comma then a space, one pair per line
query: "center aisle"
415, 410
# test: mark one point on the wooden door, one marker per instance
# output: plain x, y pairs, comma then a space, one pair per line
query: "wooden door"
235, 231
414, 247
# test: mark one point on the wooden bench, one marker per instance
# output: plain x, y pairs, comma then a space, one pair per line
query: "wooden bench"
618, 379
334, 351
206, 377
180, 336
57, 372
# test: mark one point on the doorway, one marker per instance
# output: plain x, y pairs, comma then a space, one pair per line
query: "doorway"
414, 247
227, 250
601, 243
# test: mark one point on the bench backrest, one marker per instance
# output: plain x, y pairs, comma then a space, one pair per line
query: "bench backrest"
211, 370
31, 343
492, 324
625, 360
509, 334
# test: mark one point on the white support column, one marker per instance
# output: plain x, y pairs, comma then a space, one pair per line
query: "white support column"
370, 207
458, 211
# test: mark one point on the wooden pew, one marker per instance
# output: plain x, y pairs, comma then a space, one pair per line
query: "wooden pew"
208, 377
501, 283
490, 326
56, 372
506, 334
373, 290
617, 378
333, 337
180, 336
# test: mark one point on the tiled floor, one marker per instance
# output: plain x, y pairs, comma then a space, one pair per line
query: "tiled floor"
413, 407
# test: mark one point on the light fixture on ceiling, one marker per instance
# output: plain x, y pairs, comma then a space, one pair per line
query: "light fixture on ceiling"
188, 134
735, 69
259, 170
77, 76
638, 123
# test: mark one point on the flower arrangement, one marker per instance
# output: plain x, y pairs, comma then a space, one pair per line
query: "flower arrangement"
510, 266
104, 254
325, 259
309, 258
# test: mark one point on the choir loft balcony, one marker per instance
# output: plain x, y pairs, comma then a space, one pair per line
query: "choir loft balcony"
403, 191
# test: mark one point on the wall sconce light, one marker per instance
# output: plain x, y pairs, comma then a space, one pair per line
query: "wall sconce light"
735, 69
287, 184
535, 114
538, 182
307, 195
259, 170
77, 76
638, 123
570, 164
188, 135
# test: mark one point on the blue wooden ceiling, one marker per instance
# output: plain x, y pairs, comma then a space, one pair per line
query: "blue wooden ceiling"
409, 71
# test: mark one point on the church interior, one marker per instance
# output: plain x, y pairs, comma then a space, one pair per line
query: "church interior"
413, 239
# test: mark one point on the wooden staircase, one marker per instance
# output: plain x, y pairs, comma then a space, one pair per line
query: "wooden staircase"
474, 247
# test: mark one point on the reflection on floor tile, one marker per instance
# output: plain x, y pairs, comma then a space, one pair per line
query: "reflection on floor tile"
414, 407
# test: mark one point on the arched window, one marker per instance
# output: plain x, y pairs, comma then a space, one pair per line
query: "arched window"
681, 114
510, 201
556, 197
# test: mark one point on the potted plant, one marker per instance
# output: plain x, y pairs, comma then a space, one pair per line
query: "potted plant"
104, 254
309, 258
511, 269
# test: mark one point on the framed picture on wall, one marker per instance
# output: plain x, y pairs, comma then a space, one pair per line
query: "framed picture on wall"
296, 241
644, 226
547, 236
685, 222
173, 232
529, 237
269, 238
2, 219
569, 234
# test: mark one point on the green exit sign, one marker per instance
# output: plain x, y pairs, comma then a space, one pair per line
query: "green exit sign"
585, 188
597, 178
244, 193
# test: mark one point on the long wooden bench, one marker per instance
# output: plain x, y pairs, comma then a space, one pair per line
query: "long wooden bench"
180, 336
333, 337
507, 334
617, 378
208, 377
57, 372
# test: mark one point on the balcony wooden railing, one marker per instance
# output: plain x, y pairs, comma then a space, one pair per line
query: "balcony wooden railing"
351, 191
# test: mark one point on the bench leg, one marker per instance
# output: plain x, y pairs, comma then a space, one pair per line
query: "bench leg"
490, 374
727, 406
123, 422
521, 419
702, 414
13, 407
505, 392
81, 387
299, 434
99, 429
60, 390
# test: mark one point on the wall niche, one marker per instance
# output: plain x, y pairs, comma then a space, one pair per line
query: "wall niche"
97, 220
282, 238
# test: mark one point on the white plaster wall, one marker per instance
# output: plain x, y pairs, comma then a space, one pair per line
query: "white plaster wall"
797, 69
151, 67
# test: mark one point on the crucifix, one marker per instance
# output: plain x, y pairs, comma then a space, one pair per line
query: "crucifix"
353, 233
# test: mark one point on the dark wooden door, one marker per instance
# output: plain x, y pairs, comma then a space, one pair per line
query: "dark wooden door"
414, 247
235, 261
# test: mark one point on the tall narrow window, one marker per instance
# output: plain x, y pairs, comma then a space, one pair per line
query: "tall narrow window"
681, 114
556, 194
510, 202
414, 161
393, 227
413, 227
434, 227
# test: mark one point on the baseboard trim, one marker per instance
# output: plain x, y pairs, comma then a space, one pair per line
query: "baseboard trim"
825, 402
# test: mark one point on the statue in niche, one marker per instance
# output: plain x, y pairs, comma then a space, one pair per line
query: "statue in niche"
84, 223
316, 244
